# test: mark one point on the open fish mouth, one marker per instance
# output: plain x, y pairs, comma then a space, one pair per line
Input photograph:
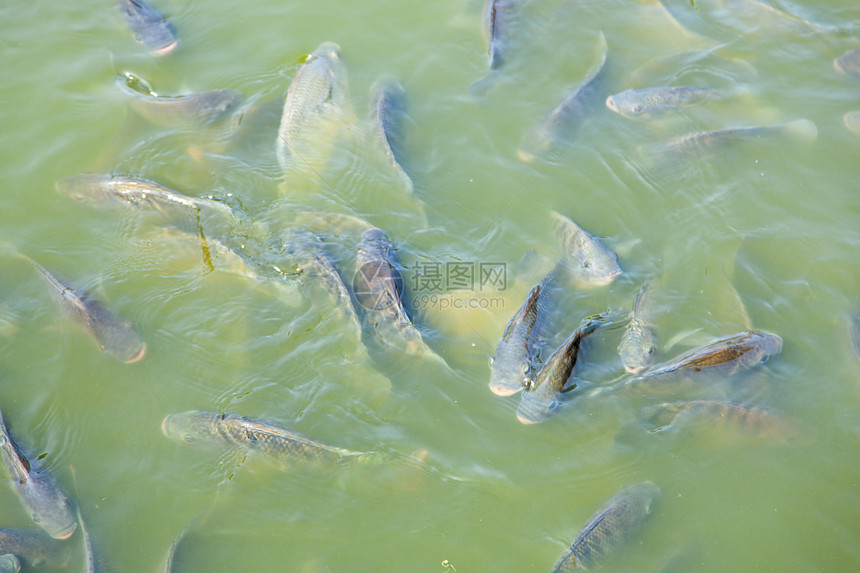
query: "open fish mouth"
139, 356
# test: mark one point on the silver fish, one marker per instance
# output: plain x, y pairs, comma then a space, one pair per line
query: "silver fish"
48, 507
516, 359
802, 130
114, 335
149, 26
854, 329
34, 549
248, 435
650, 103
759, 422
721, 358
558, 126
103, 189
9, 563
852, 122
201, 107
614, 525
387, 114
638, 343
591, 262
544, 394
848, 63
317, 91
93, 562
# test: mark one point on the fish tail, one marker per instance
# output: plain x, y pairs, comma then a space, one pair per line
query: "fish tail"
484, 85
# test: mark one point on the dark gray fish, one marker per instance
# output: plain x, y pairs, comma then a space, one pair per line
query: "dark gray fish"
196, 108
650, 103
114, 335
104, 189
802, 130
759, 422
248, 435
721, 358
9, 563
854, 330
309, 258
848, 63
558, 126
592, 263
638, 345
34, 549
149, 26
852, 122
93, 562
387, 114
499, 17
47, 506
614, 525
516, 360
544, 394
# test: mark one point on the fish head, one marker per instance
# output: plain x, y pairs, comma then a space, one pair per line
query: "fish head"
626, 104
49, 508
509, 372
85, 187
219, 102
637, 351
191, 427
535, 407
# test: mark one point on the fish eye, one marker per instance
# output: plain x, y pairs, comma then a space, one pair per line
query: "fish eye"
652, 351
637, 108
35, 518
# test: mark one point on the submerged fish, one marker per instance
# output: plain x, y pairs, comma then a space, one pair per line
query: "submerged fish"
248, 435
168, 110
103, 189
544, 394
852, 122
9, 563
557, 127
93, 563
848, 63
650, 103
751, 421
48, 507
591, 262
499, 16
800, 129
34, 549
317, 91
614, 525
149, 27
638, 343
854, 330
387, 113
516, 359
114, 335
722, 357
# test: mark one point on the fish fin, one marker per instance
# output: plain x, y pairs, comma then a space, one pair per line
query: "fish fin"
485, 85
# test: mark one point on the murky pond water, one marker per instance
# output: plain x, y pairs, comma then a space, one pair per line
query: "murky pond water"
759, 234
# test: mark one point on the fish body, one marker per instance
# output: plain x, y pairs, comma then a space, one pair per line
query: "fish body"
113, 334
751, 421
558, 125
387, 114
198, 107
498, 16
269, 439
49, 508
800, 129
722, 357
544, 394
591, 261
650, 103
93, 563
854, 331
516, 360
149, 26
614, 525
318, 91
638, 344
9, 563
848, 63
103, 189
34, 549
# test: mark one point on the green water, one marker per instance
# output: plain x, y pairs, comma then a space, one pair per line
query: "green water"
766, 230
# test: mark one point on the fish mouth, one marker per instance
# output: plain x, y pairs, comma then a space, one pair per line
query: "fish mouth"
610, 103
634, 369
499, 390
526, 420
66, 533
525, 156
164, 425
138, 356
166, 49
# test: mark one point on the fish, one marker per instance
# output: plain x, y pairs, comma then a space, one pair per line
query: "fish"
638, 344
109, 189
591, 262
650, 103
318, 91
559, 124
614, 525
852, 122
34, 549
248, 435
854, 331
150, 27
758, 422
802, 130
544, 393
46, 504
9, 563
516, 359
387, 114
848, 63
722, 357
93, 563
113, 334
199, 108
498, 20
